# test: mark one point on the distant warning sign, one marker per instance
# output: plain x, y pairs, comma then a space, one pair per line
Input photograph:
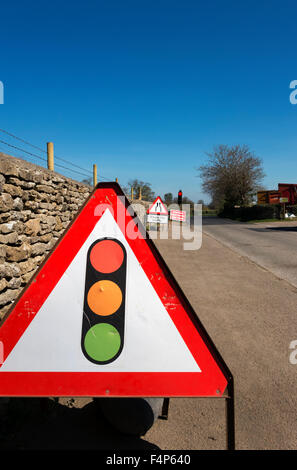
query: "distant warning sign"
178, 215
158, 207
104, 316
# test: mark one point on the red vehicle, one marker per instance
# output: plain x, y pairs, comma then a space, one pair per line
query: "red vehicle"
288, 193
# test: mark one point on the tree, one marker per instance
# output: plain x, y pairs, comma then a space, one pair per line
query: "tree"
168, 198
232, 175
186, 200
146, 191
88, 181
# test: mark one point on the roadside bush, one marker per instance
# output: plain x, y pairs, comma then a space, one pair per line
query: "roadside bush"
246, 213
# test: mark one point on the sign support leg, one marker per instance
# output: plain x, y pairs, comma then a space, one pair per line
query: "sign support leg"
230, 416
165, 408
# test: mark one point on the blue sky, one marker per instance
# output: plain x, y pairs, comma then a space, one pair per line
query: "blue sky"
145, 88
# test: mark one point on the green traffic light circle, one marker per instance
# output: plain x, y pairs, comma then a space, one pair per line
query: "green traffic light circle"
102, 342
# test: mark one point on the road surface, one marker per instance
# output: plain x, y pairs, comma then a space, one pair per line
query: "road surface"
271, 245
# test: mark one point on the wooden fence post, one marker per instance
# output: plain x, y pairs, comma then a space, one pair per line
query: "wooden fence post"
95, 174
50, 156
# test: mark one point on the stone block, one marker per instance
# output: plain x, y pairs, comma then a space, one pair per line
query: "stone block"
6, 202
18, 253
8, 167
18, 204
32, 227
12, 190
9, 238
43, 188
9, 270
8, 296
3, 284
8, 227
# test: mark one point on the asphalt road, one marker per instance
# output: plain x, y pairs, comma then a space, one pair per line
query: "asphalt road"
251, 316
271, 245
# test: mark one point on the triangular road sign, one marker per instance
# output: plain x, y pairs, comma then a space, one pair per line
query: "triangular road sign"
103, 316
158, 207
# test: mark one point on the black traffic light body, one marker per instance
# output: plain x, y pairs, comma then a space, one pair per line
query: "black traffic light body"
180, 197
103, 324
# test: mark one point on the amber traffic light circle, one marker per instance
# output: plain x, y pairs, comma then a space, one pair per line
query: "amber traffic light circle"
104, 297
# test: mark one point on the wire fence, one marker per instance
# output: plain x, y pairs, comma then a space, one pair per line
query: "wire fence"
40, 155
22, 148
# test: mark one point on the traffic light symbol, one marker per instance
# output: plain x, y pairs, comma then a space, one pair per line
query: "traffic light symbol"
104, 302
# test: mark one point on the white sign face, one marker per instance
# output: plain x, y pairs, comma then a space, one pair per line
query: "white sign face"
178, 215
52, 340
158, 207
157, 219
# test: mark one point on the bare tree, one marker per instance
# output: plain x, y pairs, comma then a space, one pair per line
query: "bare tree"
88, 181
186, 200
146, 192
232, 175
168, 198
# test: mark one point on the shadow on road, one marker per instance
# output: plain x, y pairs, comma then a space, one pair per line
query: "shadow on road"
283, 229
37, 424
214, 220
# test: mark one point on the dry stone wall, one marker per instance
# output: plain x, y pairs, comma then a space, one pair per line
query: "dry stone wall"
36, 206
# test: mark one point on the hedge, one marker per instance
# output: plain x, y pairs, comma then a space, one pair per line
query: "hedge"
244, 214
